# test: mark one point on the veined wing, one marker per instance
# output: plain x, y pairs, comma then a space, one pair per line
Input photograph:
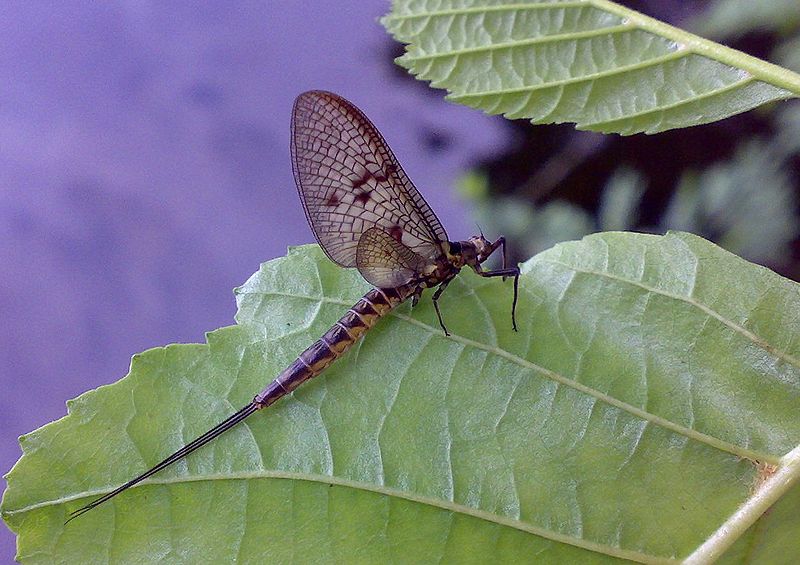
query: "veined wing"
349, 181
384, 261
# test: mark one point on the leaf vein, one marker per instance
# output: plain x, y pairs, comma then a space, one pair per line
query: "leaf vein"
561, 379
639, 65
487, 9
544, 39
694, 99
784, 355
388, 492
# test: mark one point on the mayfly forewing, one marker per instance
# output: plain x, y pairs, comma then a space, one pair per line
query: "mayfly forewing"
349, 181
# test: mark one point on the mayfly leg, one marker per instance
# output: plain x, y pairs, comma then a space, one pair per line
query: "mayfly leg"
435, 299
504, 272
509, 272
502, 241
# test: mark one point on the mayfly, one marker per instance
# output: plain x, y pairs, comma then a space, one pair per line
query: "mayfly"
365, 213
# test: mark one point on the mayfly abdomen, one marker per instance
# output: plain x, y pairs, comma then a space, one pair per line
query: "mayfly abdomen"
336, 341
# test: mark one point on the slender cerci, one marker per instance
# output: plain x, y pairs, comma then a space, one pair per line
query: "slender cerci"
365, 213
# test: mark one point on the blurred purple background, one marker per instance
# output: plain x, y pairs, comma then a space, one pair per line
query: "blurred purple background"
145, 172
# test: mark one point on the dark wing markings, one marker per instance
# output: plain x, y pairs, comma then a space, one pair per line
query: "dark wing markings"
349, 181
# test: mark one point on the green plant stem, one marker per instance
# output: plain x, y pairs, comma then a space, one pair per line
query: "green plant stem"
758, 68
769, 493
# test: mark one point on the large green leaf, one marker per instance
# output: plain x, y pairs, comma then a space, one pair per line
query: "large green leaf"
652, 386
592, 62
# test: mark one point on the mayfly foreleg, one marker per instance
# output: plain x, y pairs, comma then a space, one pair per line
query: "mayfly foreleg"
499, 242
506, 272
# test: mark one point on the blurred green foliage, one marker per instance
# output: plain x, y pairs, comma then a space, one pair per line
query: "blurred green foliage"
735, 182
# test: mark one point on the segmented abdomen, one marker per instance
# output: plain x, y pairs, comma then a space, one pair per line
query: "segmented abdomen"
338, 339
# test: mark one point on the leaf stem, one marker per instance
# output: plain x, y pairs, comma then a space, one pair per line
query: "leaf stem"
768, 494
760, 69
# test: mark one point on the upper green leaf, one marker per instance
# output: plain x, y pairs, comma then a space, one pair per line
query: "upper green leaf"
592, 62
652, 384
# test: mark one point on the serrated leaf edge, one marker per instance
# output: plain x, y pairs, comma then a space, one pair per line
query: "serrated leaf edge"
752, 68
